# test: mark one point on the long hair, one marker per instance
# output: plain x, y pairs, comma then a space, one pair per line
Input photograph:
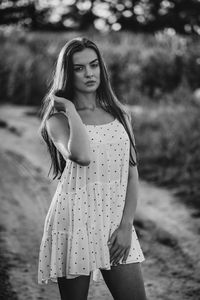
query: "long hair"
63, 81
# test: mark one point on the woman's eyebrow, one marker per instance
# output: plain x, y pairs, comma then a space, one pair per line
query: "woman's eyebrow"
89, 62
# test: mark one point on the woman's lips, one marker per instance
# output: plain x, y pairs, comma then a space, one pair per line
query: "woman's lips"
90, 82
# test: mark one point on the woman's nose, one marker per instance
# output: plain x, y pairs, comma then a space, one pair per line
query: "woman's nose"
88, 72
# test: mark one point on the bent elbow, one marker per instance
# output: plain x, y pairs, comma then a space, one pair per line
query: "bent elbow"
83, 162
80, 161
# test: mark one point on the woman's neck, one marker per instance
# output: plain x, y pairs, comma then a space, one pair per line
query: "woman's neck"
85, 101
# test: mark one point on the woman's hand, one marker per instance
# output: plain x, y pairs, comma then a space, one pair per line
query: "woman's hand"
61, 103
119, 243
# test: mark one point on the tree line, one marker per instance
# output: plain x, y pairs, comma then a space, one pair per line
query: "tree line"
183, 16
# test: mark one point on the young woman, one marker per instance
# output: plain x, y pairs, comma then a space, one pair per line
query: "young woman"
89, 225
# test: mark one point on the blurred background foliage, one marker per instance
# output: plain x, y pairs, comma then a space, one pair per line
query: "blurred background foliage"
133, 15
157, 67
156, 72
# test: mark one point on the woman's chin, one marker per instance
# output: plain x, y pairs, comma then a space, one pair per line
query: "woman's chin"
90, 89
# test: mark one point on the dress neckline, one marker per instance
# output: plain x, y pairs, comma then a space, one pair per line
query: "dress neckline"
93, 125
100, 125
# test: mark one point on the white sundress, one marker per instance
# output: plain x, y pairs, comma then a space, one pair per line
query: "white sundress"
86, 209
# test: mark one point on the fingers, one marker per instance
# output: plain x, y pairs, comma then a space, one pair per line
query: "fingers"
125, 255
117, 256
112, 248
117, 251
112, 239
114, 253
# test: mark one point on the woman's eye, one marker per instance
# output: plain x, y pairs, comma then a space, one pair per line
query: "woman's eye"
95, 65
77, 69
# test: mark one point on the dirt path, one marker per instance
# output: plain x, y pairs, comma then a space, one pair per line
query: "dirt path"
168, 234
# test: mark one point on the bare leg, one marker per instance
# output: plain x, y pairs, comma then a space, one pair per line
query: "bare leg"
74, 289
125, 282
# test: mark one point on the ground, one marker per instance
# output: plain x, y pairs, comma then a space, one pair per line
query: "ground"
167, 230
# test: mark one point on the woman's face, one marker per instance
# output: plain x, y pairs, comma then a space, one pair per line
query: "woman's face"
86, 71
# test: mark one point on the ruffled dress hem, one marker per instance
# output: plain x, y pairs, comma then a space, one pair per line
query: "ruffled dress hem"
95, 274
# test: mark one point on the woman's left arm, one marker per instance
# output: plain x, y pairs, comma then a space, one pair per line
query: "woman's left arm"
132, 185
131, 198
120, 241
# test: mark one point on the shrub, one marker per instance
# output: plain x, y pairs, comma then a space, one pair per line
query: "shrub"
160, 70
192, 65
168, 142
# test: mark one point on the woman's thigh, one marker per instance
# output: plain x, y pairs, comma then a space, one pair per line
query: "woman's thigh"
125, 282
74, 289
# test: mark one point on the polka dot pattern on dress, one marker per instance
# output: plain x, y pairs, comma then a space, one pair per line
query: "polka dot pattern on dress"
86, 208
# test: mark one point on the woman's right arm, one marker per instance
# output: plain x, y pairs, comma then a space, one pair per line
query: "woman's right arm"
69, 136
